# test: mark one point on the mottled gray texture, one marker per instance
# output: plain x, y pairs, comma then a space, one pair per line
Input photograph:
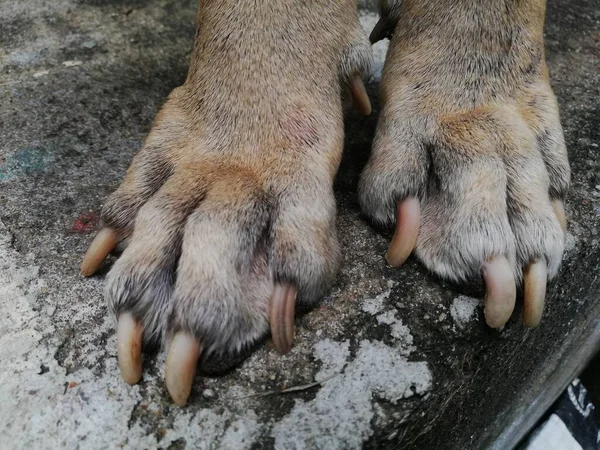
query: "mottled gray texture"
68, 131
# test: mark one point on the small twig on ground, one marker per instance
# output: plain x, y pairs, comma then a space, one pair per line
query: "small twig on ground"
8, 83
303, 387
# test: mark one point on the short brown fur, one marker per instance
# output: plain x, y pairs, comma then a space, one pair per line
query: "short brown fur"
470, 125
233, 188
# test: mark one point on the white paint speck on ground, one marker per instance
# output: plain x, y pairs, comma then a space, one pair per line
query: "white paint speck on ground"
399, 331
376, 304
49, 408
241, 433
41, 73
203, 429
463, 310
333, 356
72, 63
340, 415
57, 409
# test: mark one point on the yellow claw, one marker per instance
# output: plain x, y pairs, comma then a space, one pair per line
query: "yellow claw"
180, 367
105, 242
500, 291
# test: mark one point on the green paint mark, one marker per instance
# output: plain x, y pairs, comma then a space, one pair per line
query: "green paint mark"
24, 161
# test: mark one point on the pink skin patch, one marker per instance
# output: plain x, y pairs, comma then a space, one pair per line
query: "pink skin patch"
300, 127
85, 223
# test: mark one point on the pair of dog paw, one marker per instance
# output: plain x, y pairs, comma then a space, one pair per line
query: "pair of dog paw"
226, 217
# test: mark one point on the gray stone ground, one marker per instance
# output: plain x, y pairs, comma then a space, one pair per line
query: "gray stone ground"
402, 358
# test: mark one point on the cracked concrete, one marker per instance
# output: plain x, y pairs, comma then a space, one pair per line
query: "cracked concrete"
398, 362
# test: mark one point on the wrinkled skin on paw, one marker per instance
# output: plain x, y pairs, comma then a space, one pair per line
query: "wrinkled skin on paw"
226, 217
469, 158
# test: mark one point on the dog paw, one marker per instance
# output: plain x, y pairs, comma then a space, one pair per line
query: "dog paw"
469, 159
226, 217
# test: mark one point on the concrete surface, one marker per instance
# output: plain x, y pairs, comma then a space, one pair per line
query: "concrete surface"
392, 357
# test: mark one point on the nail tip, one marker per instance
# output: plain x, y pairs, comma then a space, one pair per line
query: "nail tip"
496, 319
282, 349
179, 400
131, 375
532, 322
496, 324
131, 380
179, 397
87, 271
395, 262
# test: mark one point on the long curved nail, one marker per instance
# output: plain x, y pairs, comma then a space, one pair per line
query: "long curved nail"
535, 279
559, 210
359, 95
408, 219
180, 367
105, 242
380, 31
500, 291
129, 348
282, 308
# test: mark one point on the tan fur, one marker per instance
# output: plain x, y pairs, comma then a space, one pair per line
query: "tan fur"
470, 125
232, 191
233, 188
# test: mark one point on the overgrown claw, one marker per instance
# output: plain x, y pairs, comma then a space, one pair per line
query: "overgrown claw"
535, 278
380, 31
180, 367
500, 291
105, 242
359, 95
129, 348
281, 316
408, 219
